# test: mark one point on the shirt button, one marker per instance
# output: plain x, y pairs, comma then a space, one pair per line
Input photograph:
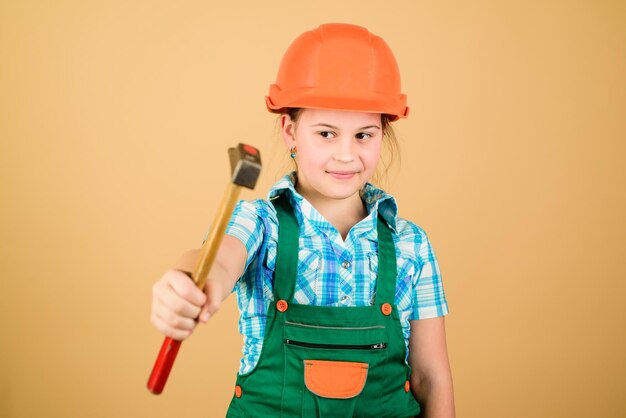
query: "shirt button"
345, 264
345, 297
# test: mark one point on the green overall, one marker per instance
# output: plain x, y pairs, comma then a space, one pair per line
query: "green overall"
328, 361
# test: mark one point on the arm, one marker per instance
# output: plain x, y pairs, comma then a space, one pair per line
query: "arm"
177, 302
431, 379
228, 266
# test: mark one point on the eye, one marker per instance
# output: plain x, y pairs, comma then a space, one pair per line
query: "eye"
326, 134
364, 135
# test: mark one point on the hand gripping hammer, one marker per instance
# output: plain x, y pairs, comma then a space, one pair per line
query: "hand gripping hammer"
245, 165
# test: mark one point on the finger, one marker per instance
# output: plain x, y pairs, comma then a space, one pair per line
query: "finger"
166, 330
213, 291
174, 321
168, 300
185, 287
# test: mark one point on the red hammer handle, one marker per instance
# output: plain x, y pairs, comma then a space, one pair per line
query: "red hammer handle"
163, 365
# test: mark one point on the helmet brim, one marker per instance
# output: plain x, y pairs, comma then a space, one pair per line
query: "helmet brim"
312, 98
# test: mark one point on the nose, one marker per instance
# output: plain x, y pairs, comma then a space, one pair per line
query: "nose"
344, 151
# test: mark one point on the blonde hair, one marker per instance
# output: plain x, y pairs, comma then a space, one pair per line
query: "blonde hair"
391, 146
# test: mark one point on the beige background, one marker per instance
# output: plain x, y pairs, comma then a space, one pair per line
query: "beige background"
115, 118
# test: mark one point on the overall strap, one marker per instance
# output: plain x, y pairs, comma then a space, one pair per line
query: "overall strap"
387, 267
287, 255
287, 249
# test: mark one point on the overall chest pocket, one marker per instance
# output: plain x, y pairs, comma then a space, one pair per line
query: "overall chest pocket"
340, 341
328, 368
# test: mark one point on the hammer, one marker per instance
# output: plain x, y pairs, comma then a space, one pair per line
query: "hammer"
245, 166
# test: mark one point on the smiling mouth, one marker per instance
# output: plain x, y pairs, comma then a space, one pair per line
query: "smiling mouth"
342, 175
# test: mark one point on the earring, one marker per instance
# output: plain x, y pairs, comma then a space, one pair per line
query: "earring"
293, 151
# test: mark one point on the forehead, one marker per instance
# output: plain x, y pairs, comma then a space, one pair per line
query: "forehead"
339, 118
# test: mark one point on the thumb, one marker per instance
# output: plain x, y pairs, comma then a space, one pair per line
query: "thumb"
213, 291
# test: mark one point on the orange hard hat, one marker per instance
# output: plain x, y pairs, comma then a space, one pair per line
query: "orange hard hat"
339, 66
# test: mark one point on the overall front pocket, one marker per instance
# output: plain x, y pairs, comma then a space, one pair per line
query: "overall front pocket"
328, 367
335, 379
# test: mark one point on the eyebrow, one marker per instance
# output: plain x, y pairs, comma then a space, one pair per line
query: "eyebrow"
326, 125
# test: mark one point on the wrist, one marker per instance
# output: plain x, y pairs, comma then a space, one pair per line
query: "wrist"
187, 261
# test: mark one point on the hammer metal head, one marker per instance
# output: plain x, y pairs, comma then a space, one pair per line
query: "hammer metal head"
245, 165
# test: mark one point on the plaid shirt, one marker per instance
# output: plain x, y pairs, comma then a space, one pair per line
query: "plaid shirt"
331, 271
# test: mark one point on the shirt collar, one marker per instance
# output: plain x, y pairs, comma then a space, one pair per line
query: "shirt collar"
375, 199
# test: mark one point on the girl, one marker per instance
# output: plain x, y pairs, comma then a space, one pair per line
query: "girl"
341, 300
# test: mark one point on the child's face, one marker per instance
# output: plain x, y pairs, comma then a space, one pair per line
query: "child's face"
337, 151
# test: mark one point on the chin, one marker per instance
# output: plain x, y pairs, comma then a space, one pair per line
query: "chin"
338, 189
341, 192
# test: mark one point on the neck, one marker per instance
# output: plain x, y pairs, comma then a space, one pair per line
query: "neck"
343, 214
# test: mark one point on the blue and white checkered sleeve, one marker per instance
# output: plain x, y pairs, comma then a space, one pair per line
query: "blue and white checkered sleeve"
429, 299
247, 226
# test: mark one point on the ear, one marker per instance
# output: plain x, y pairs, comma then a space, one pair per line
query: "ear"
287, 129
